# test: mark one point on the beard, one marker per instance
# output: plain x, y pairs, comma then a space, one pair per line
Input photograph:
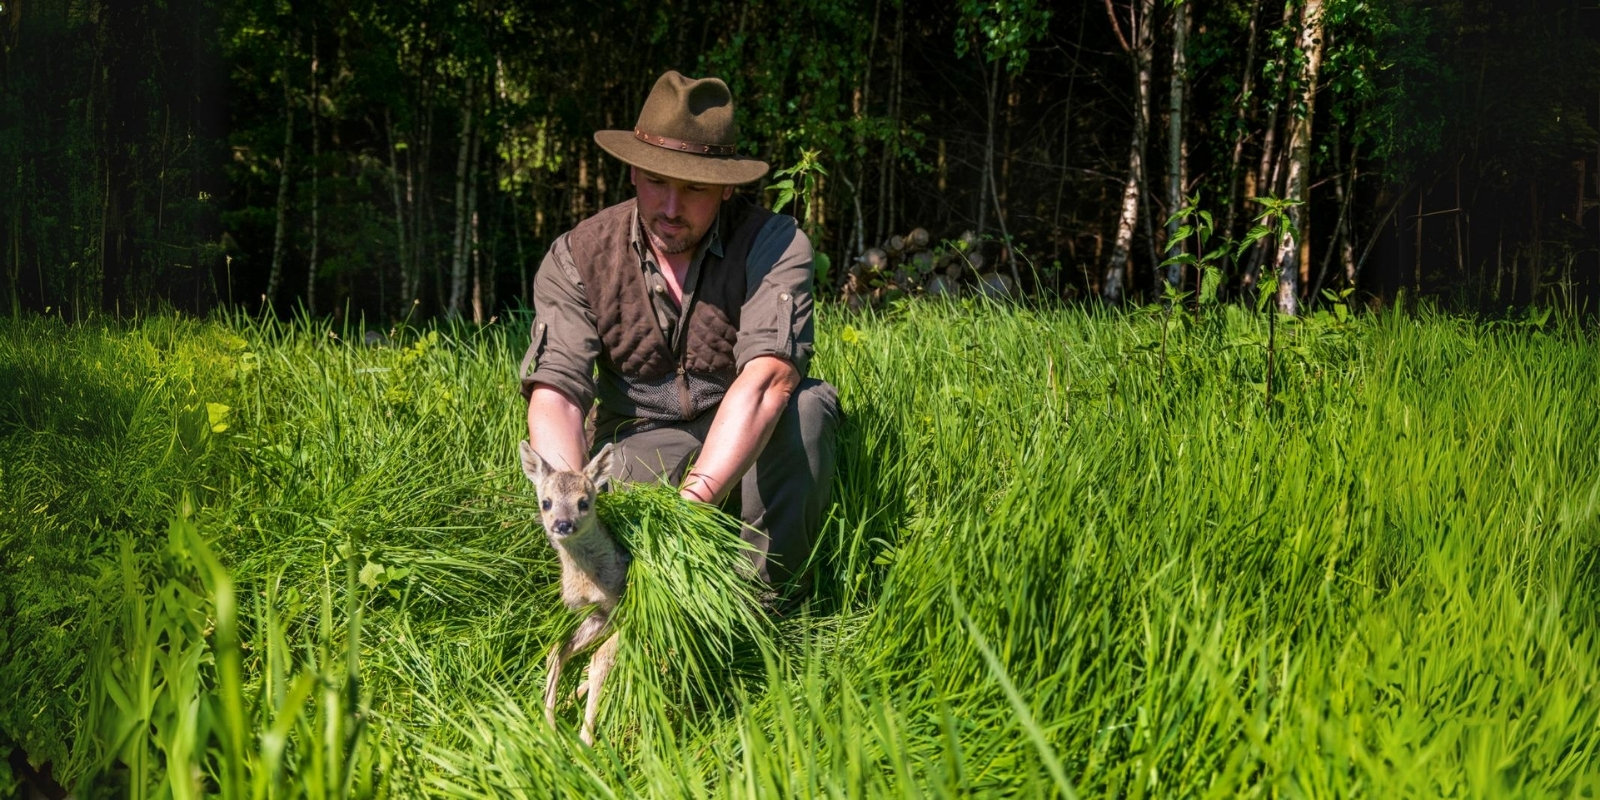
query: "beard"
683, 242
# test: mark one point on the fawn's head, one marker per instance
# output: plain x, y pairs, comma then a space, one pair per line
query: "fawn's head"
566, 497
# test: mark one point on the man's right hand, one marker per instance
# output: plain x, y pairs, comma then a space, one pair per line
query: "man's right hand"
555, 428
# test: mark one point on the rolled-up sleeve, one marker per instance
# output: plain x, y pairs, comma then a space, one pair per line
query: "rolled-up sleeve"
564, 340
776, 317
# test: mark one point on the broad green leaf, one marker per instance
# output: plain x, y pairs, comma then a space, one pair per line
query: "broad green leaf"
821, 264
216, 413
1210, 282
371, 575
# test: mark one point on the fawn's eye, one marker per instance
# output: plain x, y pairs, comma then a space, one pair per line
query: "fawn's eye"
546, 505
583, 505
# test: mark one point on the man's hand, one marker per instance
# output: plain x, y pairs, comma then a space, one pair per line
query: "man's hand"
555, 428
739, 432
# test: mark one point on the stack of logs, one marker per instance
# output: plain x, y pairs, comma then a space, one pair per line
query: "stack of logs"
912, 266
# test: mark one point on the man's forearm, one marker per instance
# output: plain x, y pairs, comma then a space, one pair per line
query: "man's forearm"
744, 422
555, 428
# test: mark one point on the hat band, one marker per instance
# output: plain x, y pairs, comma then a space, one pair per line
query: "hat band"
668, 143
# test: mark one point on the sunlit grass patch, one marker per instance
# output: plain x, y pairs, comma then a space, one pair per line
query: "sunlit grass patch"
1060, 555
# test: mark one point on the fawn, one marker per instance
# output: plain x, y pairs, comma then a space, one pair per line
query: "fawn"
594, 570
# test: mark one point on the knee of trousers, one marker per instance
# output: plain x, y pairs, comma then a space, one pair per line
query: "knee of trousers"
815, 408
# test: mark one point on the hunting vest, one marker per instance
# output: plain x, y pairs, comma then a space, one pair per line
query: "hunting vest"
642, 376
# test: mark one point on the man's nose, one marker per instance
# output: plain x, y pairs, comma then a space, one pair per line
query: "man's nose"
670, 207
563, 526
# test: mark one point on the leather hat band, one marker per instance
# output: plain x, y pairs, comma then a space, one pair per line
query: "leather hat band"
669, 143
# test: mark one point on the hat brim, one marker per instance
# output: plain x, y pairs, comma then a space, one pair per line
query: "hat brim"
721, 171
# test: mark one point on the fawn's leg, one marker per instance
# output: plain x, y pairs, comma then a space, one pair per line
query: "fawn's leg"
583, 683
552, 679
599, 666
583, 638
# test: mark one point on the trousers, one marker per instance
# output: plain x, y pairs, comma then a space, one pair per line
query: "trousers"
781, 499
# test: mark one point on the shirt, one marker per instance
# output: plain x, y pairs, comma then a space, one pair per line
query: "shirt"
566, 344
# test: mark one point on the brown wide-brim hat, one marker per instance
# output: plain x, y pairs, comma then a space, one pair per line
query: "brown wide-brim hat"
685, 131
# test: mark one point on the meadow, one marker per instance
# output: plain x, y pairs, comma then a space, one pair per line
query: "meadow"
1073, 553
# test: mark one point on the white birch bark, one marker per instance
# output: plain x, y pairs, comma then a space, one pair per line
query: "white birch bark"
1128, 217
1175, 161
275, 275
406, 289
1291, 251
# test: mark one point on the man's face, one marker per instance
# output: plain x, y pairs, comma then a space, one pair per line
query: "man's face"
677, 213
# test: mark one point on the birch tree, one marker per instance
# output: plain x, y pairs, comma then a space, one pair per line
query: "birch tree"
1293, 251
275, 275
1176, 161
1140, 49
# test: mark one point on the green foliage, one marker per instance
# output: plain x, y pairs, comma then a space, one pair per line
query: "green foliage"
1002, 29
806, 171
169, 701
1050, 567
1274, 225
1196, 223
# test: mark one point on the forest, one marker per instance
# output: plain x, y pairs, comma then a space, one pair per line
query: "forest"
415, 159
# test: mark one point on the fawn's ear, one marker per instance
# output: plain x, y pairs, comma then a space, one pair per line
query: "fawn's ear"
599, 470
532, 465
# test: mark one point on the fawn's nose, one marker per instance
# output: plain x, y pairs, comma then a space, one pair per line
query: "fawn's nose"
563, 526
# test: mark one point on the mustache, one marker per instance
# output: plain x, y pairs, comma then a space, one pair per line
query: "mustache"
675, 221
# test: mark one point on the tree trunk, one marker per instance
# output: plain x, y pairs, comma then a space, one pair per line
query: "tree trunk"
893, 151
121, 119
1341, 232
1066, 135
1246, 105
1292, 253
472, 229
1140, 49
311, 272
275, 275
862, 111
399, 209
14, 275
1499, 264
458, 262
889, 156
1266, 176
161, 177
477, 269
424, 223
1536, 256
988, 149
1175, 161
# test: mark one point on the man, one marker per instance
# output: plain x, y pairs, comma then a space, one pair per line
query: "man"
686, 313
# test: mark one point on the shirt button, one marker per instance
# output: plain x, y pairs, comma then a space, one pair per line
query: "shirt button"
660, 289
783, 296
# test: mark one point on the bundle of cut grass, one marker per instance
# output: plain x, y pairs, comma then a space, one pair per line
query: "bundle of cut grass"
690, 621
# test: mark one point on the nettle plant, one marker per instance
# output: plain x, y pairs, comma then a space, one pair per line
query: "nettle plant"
798, 183
1272, 224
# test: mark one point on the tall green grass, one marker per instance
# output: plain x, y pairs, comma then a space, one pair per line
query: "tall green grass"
1063, 560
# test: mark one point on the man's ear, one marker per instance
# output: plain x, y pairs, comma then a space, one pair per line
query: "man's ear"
633, 175
532, 465
599, 470
727, 192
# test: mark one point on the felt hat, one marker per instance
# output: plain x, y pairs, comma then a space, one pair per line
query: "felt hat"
685, 131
